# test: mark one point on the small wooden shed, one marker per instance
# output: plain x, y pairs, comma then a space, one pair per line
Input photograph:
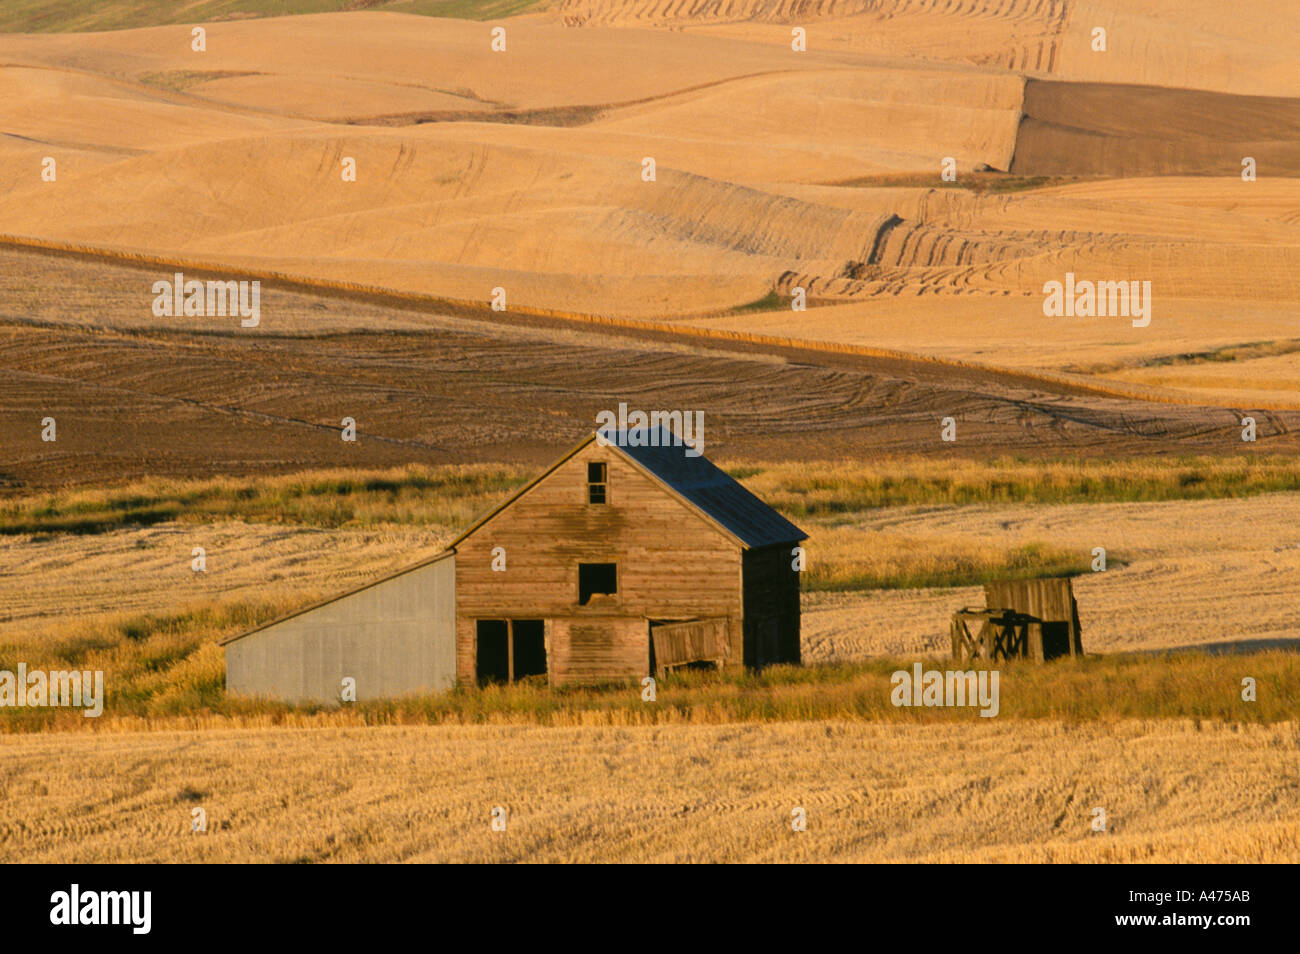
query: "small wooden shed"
1037, 619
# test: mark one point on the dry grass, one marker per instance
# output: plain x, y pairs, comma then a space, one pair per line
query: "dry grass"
1020, 792
881, 582
1210, 574
547, 201
828, 497
449, 497
847, 559
63, 586
436, 497
152, 664
165, 670
826, 489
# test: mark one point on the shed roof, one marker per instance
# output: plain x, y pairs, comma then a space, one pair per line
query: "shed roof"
694, 479
334, 599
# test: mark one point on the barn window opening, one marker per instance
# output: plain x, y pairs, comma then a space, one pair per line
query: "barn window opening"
528, 647
596, 481
509, 650
596, 578
492, 659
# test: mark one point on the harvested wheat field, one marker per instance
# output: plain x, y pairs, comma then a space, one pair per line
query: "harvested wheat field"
70, 580
1218, 575
833, 229
137, 396
775, 169
1172, 791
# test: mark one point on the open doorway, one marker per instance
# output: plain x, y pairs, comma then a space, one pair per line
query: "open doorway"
492, 651
509, 650
528, 647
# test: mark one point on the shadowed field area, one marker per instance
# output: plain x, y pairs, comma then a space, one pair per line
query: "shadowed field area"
77, 16
133, 395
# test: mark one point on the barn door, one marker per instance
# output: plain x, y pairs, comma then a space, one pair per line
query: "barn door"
689, 642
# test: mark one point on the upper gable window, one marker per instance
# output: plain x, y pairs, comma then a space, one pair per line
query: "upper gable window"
597, 484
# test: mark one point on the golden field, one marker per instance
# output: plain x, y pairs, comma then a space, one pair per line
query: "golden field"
1008, 792
774, 168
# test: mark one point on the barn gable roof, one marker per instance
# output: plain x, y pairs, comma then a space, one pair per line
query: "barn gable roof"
708, 488
695, 480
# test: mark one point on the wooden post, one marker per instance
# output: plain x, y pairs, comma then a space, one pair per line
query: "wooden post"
1076, 644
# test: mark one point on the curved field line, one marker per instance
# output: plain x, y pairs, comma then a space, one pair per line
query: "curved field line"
577, 114
1052, 380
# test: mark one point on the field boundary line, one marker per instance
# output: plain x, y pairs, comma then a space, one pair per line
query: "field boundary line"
459, 307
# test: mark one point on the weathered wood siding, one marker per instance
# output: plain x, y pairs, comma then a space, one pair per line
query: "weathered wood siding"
1051, 600
771, 606
701, 640
672, 562
595, 648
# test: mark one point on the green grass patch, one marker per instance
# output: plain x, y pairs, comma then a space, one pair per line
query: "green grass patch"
974, 567
1245, 351
1000, 184
830, 500
449, 497
769, 302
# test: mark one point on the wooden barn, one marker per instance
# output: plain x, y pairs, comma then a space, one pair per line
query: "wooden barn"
628, 556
